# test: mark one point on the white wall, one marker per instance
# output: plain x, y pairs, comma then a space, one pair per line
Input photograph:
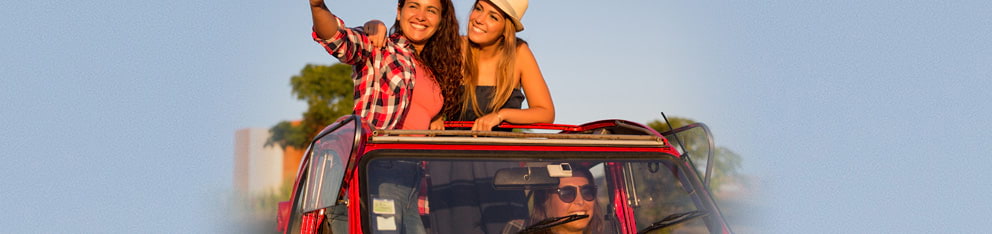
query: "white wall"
265, 163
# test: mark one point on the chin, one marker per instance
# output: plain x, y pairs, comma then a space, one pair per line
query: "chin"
577, 225
481, 41
473, 38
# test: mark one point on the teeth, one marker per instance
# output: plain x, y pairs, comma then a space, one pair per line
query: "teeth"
477, 29
418, 26
579, 213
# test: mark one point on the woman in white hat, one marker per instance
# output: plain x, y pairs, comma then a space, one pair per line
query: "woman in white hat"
497, 64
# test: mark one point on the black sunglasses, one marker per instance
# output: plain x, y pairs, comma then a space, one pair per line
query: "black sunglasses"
567, 194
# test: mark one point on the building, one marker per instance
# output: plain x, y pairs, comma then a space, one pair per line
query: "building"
257, 169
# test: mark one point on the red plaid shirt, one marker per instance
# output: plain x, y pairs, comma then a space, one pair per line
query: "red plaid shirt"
384, 78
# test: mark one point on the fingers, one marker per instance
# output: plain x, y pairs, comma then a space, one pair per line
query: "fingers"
382, 31
481, 127
376, 32
485, 123
370, 30
477, 125
437, 125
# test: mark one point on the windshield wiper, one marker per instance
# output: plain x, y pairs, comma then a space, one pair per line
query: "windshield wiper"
551, 222
672, 220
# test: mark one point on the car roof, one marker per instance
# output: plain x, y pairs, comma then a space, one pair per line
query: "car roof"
464, 137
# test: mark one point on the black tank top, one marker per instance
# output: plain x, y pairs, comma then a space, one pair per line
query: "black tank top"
484, 96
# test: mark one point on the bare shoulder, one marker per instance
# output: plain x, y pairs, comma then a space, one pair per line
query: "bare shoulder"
522, 46
524, 54
526, 62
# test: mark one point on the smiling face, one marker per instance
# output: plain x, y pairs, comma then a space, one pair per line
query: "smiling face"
419, 19
559, 208
486, 23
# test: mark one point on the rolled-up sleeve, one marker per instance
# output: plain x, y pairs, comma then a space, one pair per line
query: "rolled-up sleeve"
350, 45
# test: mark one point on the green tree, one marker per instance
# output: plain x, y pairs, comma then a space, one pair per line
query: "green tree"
328, 91
725, 162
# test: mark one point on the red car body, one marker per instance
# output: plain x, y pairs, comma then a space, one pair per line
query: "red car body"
642, 179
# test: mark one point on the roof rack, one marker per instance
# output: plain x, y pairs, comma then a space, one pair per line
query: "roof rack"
431, 133
513, 138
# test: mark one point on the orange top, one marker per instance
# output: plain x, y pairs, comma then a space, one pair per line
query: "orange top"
427, 101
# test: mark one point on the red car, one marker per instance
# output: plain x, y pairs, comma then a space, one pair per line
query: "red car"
609, 176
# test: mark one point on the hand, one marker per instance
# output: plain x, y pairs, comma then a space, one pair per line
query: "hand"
316, 3
487, 122
437, 124
376, 31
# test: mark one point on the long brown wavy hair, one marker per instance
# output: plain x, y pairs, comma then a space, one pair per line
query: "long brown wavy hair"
506, 79
442, 55
542, 200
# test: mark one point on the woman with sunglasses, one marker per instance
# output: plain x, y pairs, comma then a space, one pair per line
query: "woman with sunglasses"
575, 195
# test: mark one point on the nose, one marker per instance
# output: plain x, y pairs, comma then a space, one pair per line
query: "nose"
419, 16
475, 19
579, 200
476, 22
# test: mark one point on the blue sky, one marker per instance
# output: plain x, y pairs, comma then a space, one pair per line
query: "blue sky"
857, 116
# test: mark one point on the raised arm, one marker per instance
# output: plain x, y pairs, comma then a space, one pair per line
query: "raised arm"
325, 24
348, 45
540, 108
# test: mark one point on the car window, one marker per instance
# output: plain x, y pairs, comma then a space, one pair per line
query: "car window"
452, 194
324, 166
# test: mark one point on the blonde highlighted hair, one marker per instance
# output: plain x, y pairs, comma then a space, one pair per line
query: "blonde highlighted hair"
506, 77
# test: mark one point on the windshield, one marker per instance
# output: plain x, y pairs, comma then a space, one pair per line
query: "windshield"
668, 196
451, 193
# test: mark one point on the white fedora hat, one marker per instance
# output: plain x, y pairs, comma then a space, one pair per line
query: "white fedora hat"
514, 8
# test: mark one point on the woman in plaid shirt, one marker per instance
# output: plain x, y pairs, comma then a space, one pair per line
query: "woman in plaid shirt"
398, 86
423, 48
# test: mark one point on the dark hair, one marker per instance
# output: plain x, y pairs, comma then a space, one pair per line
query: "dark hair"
442, 54
543, 197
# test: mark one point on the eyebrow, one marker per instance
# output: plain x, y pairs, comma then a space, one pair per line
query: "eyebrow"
498, 15
492, 11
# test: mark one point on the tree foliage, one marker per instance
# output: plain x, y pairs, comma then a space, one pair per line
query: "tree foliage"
725, 162
328, 91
